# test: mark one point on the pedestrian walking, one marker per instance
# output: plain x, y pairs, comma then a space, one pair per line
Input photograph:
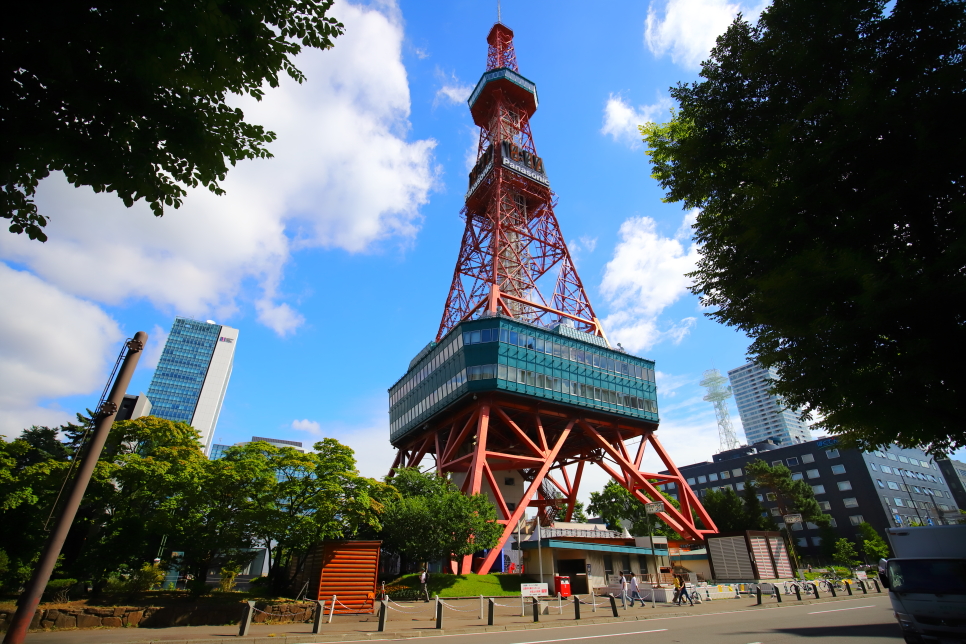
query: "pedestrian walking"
623, 590
677, 589
684, 594
424, 583
635, 591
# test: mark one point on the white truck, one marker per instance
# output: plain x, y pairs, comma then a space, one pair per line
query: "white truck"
927, 582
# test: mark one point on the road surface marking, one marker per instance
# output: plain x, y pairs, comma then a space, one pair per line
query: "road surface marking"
840, 609
591, 637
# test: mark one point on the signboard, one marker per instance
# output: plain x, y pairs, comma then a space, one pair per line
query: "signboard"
588, 569
654, 508
792, 518
534, 590
861, 574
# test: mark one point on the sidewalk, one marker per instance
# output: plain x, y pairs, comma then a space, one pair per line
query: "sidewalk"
418, 620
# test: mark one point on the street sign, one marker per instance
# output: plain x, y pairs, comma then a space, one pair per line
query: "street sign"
654, 508
792, 518
534, 590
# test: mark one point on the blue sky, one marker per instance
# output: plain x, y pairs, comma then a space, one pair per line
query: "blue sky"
334, 258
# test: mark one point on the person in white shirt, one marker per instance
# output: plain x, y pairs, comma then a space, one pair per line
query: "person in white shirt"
424, 583
623, 590
635, 591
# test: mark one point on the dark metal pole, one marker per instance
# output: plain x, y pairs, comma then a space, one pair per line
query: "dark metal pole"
30, 598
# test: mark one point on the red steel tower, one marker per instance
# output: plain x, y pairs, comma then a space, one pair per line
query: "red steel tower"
518, 393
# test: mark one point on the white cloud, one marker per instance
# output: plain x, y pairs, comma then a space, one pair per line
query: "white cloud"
152, 353
51, 344
621, 118
306, 425
687, 29
368, 436
645, 276
344, 176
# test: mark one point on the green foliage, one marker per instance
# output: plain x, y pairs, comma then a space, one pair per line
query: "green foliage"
432, 520
58, 590
729, 512
828, 536
132, 97
845, 553
756, 517
227, 582
614, 504
579, 515
793, 497
872, 544
819, 147
153, 480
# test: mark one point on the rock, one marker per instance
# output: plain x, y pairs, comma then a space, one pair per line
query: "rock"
119, 611
133, 618
65, 621
88, 621
111, 622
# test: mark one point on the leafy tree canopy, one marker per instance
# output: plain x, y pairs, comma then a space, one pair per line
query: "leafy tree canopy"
872, 544
823, 148
614, 504
132, 97
793, 497
732, 513
433, 520
845, 553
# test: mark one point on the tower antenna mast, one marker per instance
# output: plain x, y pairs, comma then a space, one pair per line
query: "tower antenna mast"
718, 394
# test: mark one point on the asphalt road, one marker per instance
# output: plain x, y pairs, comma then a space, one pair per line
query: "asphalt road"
865, 620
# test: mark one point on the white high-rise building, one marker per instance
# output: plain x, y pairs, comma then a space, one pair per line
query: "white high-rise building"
191, 378
763, 414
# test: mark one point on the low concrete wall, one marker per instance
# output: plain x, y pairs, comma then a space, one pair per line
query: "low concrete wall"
160, 616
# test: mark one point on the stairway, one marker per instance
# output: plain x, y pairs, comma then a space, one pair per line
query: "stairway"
347, 569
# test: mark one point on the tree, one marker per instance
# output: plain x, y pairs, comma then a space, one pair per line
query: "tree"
132, 97
579, 516
306, 499
756, 516
433, 520
871, 543
821, 147
614, 504
793, 497
845, 553
729, 513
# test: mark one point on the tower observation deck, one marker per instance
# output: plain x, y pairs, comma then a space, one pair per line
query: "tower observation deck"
519, 392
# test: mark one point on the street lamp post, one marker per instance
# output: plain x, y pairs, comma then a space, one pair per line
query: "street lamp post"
790, 520
651, 509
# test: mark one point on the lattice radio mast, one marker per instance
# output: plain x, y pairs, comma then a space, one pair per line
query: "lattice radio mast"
718, 394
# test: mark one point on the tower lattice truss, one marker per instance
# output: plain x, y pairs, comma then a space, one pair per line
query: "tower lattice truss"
512, 251
500, 433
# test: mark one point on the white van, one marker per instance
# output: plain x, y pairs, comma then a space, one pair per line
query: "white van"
927, 582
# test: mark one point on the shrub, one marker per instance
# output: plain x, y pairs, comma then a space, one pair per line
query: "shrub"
148, 577
198, 588
228, 576
58, 590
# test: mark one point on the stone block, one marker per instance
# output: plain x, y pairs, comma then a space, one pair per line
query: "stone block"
35, 622
119, 611
88, 621
133, 618
102, 612
46, 624
65, 621
111, 622
52, 614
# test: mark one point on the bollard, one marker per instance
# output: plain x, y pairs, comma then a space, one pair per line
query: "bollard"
383, 613
593, 601
439, 613
576, 607
798, 592
758, 592
523, 606
865, 591
832, 590
613, 605
876, 582
319, 616
560, 603
536, 610
848, 588
489, 613
246, 621
778, 594
815, 590
332, 609
481, 606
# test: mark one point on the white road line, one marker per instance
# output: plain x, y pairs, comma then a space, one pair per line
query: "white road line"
840, 609
591, 637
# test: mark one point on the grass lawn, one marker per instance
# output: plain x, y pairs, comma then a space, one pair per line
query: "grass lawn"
461, 585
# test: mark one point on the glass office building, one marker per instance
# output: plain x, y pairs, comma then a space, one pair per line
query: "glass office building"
191, 378
763, 414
